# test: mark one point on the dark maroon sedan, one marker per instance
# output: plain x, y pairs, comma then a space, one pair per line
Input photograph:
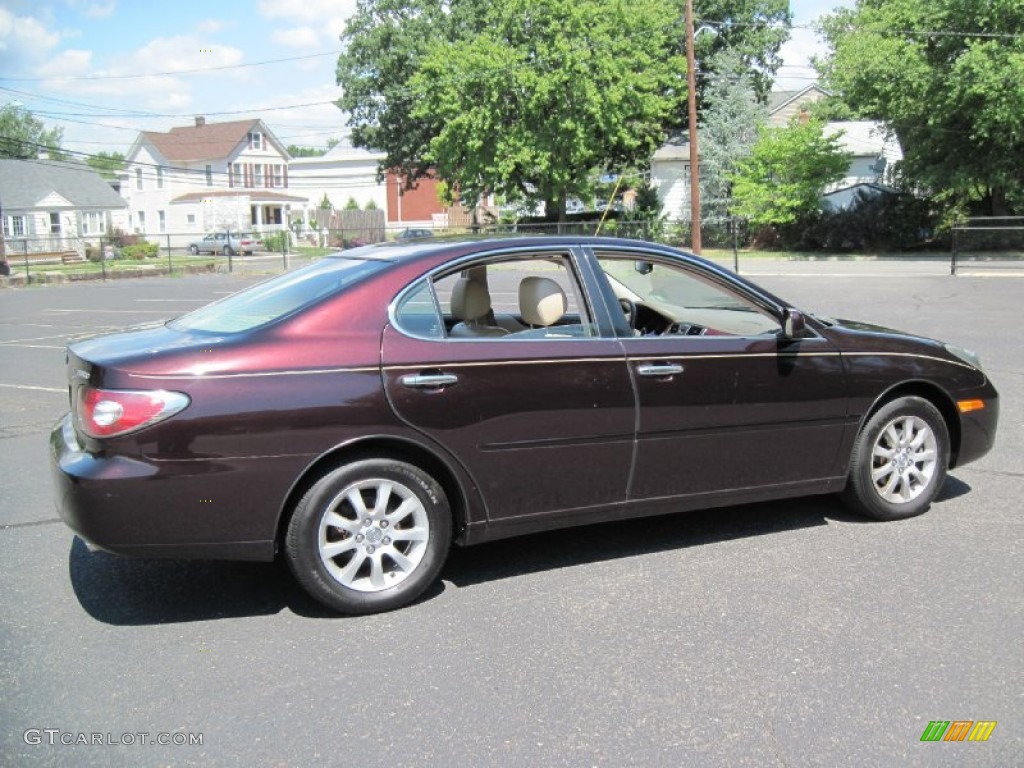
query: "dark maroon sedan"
361, 414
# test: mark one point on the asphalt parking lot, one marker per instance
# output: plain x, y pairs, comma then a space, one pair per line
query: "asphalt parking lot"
783, 634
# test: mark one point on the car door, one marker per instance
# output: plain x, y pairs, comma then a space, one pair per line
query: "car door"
542, 419
726, 405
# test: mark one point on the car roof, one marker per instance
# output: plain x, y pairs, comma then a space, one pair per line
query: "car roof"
404, 251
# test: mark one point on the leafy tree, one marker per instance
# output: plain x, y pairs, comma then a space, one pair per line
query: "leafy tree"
108, 164
23, 137
351, 205
754, 30
782, 180
325, 203
296, 151
386, 41
549, 91
947, 76
728, 131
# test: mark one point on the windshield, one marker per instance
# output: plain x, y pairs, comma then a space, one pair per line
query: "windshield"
277, 297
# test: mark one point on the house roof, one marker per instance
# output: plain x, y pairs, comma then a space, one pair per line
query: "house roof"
25, 184
210, 141
254, 195
779, 99
676, 147
339, 154
865, 138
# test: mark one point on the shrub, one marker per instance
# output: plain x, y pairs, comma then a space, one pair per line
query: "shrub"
276, 242
140, 251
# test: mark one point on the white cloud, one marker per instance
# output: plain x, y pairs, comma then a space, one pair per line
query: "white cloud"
99, 10
326, 17
297, 37
211, 26
24, 40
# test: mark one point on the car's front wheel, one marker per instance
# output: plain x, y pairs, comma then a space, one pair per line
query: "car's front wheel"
370, 536
227, 251
899, 461
194, 250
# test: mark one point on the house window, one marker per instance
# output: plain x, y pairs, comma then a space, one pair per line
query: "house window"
54, 223
258, 175
138, 178
235, 178
160, 177
191, 218
278, 179
255, 140
209, 175
14, 226
94, 224
142, 222
162, 215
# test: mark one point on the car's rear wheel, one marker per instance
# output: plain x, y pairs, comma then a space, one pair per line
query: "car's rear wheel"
194, 250
227, 251
899, 461
370, 536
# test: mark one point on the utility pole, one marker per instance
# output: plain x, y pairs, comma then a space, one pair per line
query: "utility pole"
691, 77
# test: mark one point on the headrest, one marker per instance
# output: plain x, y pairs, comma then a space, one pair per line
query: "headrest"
470, 300
541, 301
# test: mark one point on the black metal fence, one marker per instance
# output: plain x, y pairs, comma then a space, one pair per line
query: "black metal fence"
988, 240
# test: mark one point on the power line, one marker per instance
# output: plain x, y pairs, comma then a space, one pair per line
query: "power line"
172, 73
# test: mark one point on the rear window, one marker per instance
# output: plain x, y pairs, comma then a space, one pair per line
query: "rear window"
278, 297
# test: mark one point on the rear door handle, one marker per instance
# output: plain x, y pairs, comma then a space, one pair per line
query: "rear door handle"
659, 369
429, 380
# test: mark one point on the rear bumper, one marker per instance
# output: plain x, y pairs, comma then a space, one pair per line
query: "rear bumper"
121, 505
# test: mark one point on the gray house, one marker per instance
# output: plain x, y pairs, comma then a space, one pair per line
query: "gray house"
53, 207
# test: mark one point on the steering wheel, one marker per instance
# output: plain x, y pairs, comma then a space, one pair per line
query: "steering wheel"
629, 309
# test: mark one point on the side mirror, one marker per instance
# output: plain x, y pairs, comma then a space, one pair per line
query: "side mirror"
643, 267
793, 324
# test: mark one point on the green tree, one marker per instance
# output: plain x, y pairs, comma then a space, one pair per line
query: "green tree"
782, 180
754, 30
385, 43
296, 151
947, 77
23, 137
550, 91
108, 164
728, 131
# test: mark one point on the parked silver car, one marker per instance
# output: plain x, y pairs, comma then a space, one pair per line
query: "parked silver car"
221, 242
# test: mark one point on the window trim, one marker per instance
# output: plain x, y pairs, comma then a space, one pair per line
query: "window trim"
710, 272
569, 252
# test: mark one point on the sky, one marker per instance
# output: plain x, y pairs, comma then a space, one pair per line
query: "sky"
105, 69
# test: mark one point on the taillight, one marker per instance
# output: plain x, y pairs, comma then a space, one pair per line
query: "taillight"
114, 412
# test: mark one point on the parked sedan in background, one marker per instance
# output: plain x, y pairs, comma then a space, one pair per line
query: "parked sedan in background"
220, 242
361, 414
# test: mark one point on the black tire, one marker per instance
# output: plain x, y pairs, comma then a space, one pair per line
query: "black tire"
353, 581
194, 250
903, 476
227, 251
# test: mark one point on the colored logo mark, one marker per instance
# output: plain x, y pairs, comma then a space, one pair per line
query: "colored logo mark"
958, 730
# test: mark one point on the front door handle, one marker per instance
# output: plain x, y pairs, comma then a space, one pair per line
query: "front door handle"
428, 380
659, 369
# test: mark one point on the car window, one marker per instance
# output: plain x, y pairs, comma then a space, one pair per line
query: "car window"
277, 297
482, 300
674, 299
417, 313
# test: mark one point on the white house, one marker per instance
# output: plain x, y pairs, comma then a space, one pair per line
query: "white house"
341, 174
872, 155
54, 207
207, 177
872, 151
